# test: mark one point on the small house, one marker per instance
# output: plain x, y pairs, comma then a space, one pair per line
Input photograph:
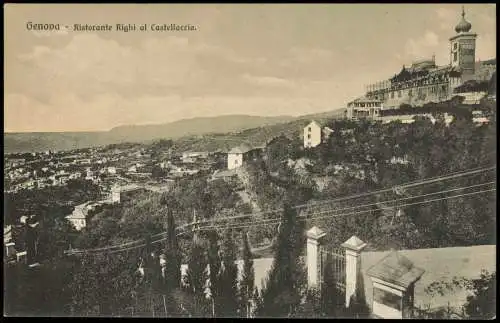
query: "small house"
315, 133
237, 156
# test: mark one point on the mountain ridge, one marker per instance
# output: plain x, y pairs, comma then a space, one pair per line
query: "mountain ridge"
15, 142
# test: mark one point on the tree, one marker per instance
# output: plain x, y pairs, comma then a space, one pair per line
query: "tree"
282, 293
172, 255
248, 278
214, 262
196, 277
311, 307
482, 303
42, 290
277, 151
55, 238
229, 278
103, 284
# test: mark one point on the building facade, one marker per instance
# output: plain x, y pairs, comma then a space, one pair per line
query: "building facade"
364, 107
312, 134
238, 155
315, 133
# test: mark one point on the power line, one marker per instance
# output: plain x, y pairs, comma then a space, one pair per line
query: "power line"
417, 196
414, 183
409, 184
306, 218
311, 217
392, 200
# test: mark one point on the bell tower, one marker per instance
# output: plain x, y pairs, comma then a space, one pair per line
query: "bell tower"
463, 48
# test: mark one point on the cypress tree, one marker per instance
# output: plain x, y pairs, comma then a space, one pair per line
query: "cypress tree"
248, 278
330, 294
173, 259
196, 276
229, 278
214, 262
281, 294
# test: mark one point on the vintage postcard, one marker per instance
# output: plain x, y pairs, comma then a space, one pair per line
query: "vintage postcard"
250, 160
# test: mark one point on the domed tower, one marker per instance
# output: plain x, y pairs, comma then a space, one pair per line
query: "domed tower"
463, 48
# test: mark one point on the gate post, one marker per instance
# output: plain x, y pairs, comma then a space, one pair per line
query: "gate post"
353, 248
314, 236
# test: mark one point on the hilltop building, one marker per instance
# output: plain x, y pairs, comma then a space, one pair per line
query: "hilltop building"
237, 156
363, 107
315, 133
424, 82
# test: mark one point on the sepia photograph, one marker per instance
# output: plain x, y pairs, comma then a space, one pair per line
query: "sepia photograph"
317, 161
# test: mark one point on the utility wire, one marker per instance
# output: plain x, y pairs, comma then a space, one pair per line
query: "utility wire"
389, 201
306, 218
409, 184
312, 216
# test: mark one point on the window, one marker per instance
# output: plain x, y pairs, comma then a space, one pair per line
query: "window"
236, 162
388, 299
455, 56
399, 94
308, 136
410, 92
392, 95
455, 46
309, 129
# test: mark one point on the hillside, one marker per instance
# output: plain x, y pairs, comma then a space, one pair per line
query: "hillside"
194, 126
41, 141
256, 136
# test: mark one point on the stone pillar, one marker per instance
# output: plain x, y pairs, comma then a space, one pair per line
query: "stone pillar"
314, 236
353, 248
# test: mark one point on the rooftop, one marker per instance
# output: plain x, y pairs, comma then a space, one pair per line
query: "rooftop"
241, 149
364, 99
396, 269
320, 123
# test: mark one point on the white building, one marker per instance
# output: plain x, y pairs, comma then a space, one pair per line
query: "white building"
315, 134
363, 108
237, 156
79, 216
89, 175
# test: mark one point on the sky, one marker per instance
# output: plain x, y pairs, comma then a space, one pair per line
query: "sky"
253, 59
